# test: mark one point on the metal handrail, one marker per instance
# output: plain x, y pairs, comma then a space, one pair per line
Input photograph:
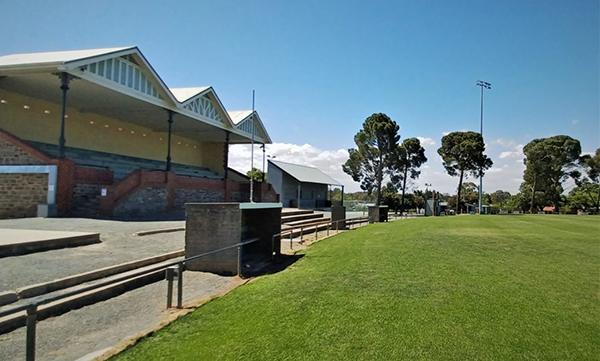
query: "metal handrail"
118, 279
291, 231
32, 307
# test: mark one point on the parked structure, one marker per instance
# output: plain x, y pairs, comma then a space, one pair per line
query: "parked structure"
301, 186
92, 132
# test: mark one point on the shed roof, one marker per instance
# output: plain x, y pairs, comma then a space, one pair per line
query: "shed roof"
305, 174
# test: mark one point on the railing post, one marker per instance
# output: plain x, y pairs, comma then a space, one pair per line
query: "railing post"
291, 232
239, 265
31, 324
328, 225
301, 234
180, 269
316, 232
170, 272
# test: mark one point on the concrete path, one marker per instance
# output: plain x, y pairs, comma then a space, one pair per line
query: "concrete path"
118, 246
15, 242
96, 328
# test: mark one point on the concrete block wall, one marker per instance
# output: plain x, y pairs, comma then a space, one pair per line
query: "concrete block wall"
20, 194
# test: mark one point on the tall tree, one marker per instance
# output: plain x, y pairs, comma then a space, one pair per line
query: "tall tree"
462, 154
500, 197
411, 155
589, 181
375, 154
548, 162
257, 175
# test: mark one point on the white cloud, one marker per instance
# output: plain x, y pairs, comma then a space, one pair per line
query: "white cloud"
426, 142
575, 121
505, 143
445, 133
328, 161
509, 154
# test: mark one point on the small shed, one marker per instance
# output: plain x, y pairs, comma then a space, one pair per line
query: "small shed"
301, 186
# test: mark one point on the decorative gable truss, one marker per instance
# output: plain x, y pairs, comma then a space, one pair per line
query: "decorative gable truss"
205, 107
124, 71
247, 124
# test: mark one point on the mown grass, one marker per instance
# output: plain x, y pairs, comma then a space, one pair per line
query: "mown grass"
462, 288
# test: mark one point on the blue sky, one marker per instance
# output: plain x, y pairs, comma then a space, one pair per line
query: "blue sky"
321, 67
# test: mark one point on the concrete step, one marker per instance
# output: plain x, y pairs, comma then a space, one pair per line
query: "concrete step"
293, 212
305, 222
300, 217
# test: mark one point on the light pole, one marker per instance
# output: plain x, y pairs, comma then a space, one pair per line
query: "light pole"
482, 84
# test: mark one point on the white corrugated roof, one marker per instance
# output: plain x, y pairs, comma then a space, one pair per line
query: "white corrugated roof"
305, 173
54, 57
238, 115
183, 94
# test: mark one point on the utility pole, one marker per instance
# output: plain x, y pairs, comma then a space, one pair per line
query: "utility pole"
252, 155
482, 84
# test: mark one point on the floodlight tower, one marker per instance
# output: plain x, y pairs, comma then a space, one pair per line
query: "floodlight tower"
482, 84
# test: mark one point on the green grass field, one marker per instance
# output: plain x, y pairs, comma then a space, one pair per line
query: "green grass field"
461, 288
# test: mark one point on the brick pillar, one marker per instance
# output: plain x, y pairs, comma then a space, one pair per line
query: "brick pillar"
65, 185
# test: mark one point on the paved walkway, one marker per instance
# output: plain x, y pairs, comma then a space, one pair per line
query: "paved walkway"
20, 236
99, 327
118, 246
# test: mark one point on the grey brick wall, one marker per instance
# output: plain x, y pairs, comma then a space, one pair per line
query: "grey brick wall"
86, 199
148, 201
183, 196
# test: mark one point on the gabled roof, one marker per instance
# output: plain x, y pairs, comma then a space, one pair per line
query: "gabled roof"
242, 119
184, 94
305, 174
238, 115
55, 57
200, 103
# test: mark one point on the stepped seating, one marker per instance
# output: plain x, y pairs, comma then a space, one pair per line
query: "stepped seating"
300, 217
305, 222
123, 165
293, 212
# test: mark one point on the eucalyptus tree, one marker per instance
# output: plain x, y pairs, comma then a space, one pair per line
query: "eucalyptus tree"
375, 153
463, 154
588, 183
411, 156
549, 162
